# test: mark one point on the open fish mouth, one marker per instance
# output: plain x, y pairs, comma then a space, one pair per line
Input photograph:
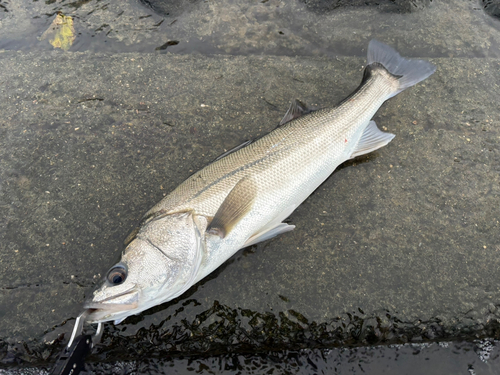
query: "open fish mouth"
112, 306
104, 312
115, 307
99, 315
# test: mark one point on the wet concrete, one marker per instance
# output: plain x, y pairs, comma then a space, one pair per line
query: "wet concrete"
417, 28
397, 246
407, 234
480, 357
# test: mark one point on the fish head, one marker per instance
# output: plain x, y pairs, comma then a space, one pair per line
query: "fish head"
159, 264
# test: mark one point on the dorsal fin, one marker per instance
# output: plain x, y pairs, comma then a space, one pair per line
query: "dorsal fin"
297, 109
234, 149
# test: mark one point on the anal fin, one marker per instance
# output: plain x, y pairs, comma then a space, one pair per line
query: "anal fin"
371, 139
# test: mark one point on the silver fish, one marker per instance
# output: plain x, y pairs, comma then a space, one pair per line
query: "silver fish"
243, 197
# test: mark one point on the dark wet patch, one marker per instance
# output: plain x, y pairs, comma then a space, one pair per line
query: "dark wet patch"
491, 7
222, 328
163, 47
261, 28
478, 357
78, 4
169, 8
385, 6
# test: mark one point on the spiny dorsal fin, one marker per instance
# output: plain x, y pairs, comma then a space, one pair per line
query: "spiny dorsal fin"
236, 205
234, 149
371, 139
297, 109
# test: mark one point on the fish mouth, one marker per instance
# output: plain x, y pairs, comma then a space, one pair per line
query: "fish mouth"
108, 308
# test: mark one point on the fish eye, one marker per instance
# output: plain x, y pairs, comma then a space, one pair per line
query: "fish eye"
117, 275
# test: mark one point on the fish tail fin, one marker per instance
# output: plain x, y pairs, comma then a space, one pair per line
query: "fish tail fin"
408, 72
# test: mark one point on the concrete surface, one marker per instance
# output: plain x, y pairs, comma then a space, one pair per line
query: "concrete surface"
397, 246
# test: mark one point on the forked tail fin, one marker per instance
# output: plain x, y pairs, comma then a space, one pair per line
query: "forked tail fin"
409, 72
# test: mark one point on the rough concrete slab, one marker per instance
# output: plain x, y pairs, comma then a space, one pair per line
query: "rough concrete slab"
400, 245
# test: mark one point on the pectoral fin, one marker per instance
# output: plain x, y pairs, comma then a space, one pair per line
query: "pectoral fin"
372, 139
236, 205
